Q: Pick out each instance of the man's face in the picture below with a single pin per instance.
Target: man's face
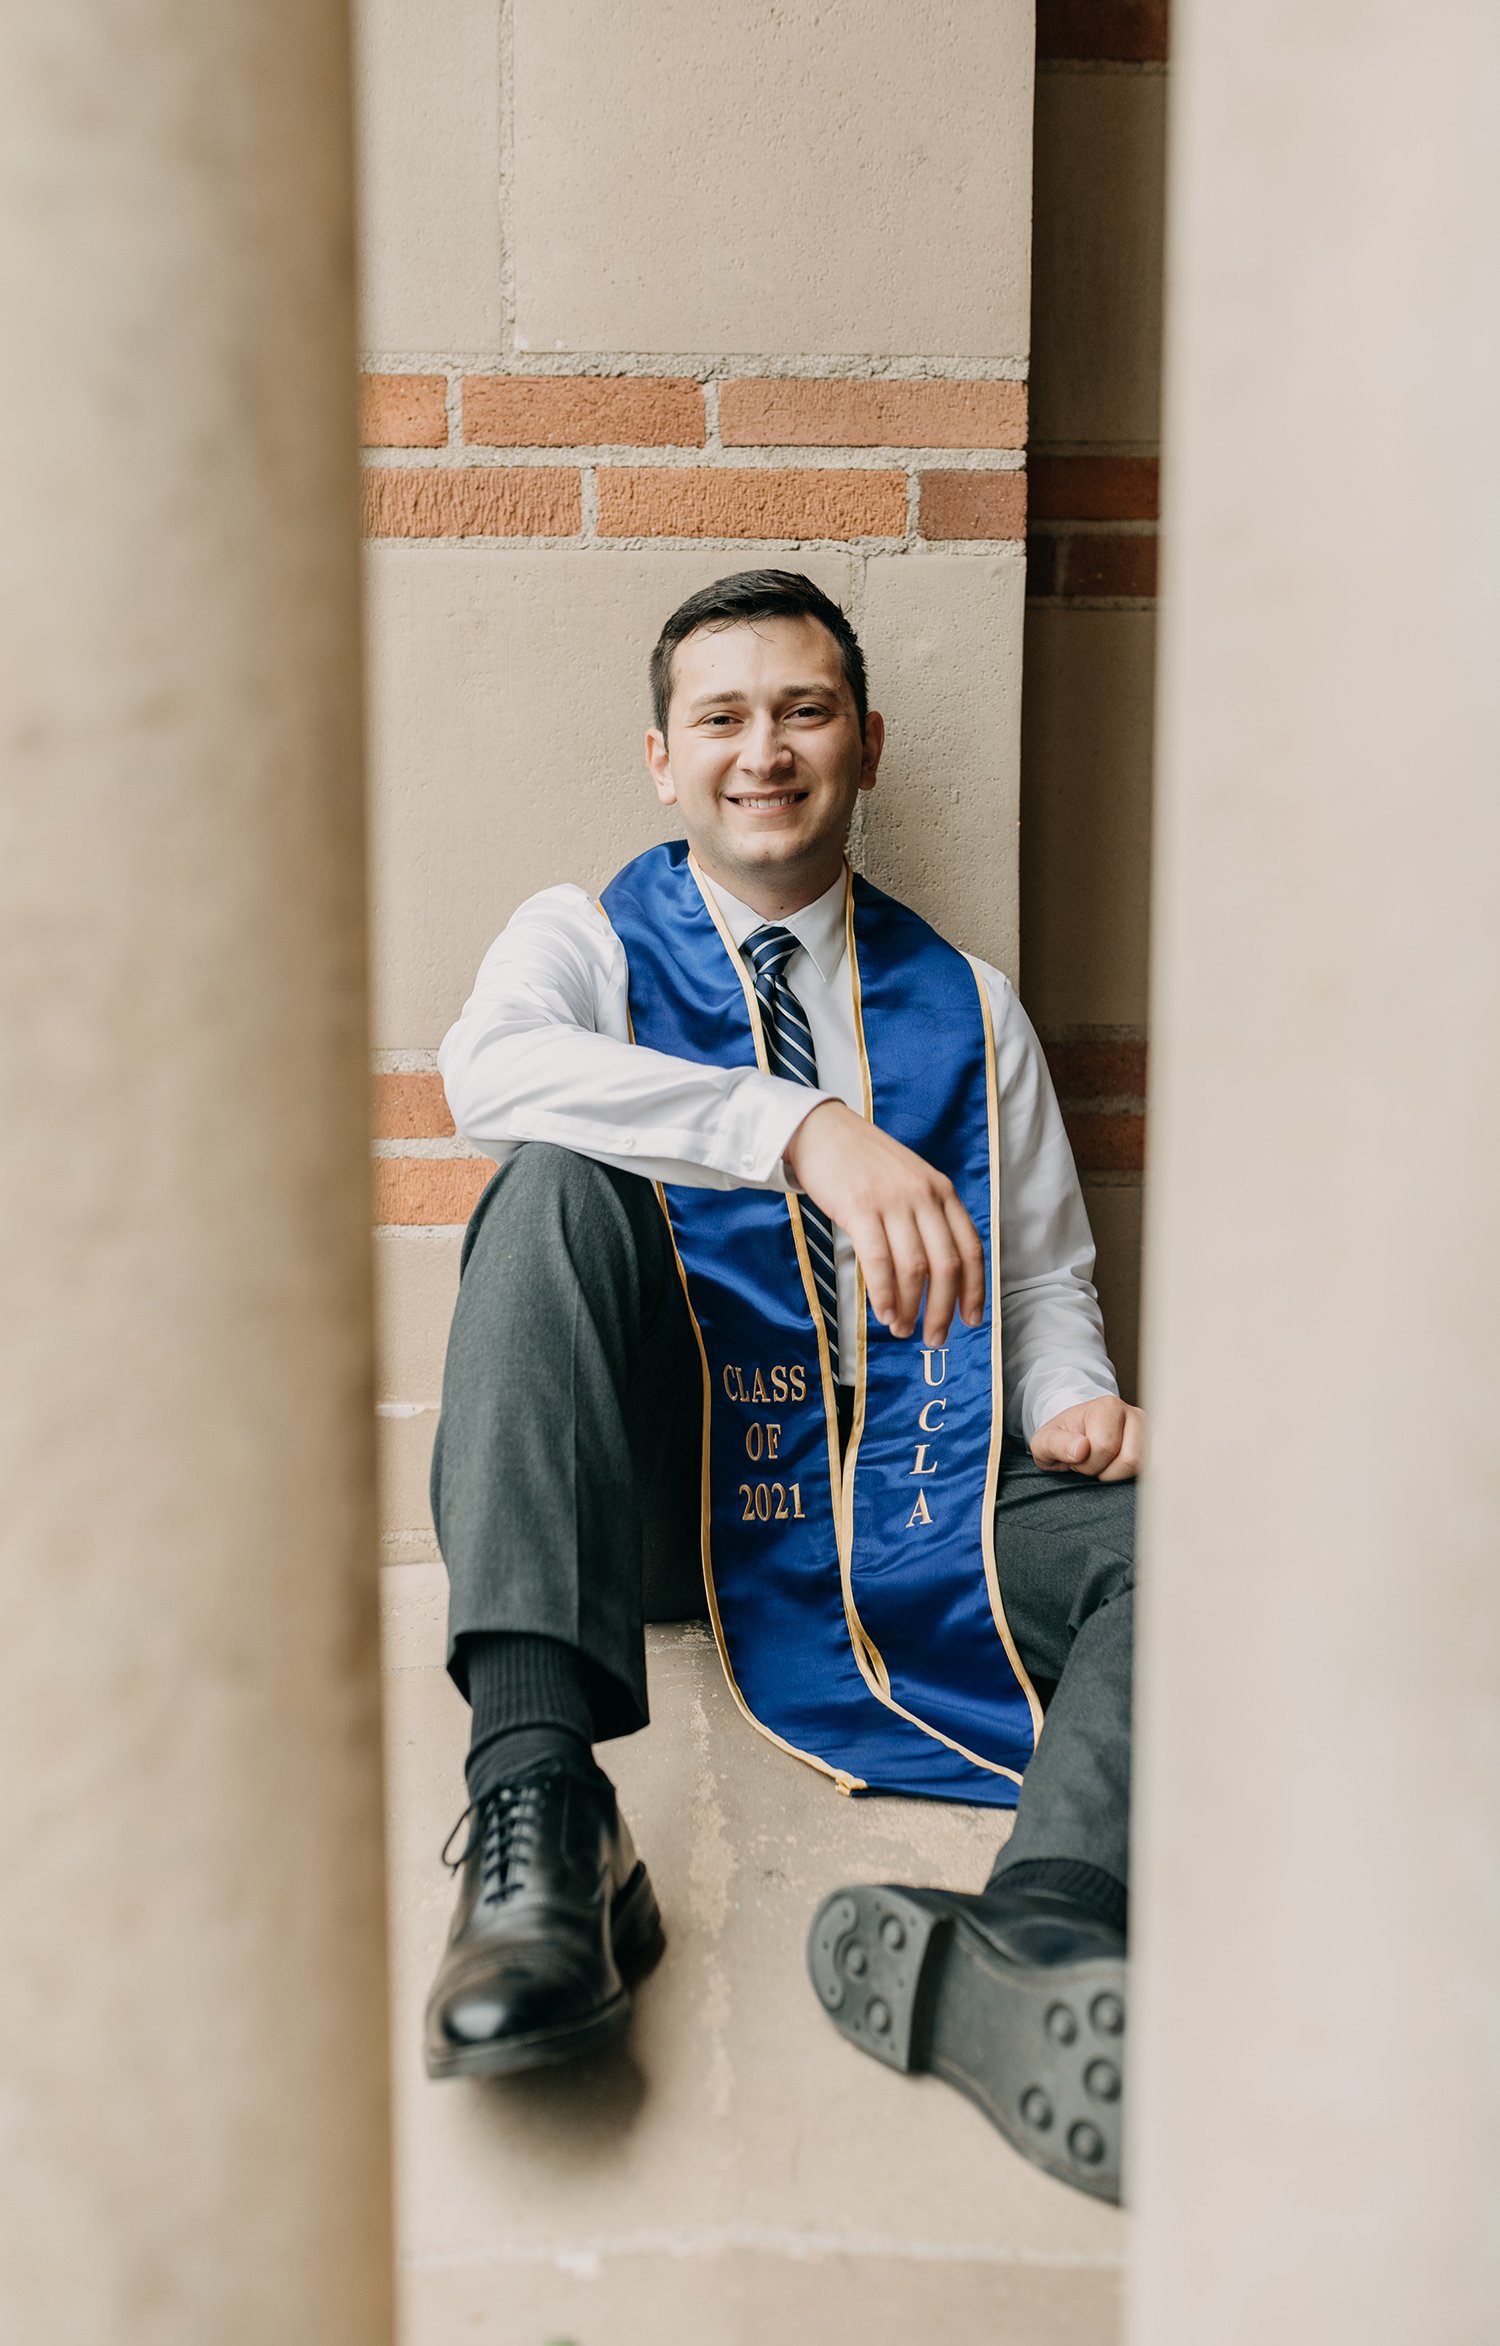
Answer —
(764, 755)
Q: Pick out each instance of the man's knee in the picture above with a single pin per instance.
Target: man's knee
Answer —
(536, 1185)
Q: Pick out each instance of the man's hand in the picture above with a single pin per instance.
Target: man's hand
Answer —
(1105, 1438)
(904, 1220)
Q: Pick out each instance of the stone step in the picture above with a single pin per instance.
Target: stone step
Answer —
(734, 2171)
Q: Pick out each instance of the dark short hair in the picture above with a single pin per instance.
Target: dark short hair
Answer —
(748, 595)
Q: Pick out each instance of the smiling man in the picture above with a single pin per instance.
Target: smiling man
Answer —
(780, 1304)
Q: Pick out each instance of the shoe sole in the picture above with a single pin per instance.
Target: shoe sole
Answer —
(638, 1939)
(1040, 2051)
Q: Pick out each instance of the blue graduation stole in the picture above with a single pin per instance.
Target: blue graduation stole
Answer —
(855, 1601)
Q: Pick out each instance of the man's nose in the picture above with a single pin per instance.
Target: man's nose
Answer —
(764, 748)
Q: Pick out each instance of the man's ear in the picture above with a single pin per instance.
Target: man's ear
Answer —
(874, 744)
(661, 766)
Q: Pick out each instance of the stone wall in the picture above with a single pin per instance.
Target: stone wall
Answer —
(653, 294)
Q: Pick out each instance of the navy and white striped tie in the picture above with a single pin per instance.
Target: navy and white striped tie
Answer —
(790, 1053)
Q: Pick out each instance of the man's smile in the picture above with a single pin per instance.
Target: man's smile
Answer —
(767, 802)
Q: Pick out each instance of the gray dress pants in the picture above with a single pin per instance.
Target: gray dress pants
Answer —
(565, 1489)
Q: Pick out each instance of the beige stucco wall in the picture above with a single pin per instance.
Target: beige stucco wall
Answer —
(668, 205)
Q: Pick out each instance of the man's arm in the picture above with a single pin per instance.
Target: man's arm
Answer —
(1056, 1360)
(912, 1235)
(542, 1051)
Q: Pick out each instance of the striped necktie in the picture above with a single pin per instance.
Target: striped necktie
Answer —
(790, 1054)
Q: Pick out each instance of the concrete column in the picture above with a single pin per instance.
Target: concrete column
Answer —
(192, 2054)
(1316, 2087)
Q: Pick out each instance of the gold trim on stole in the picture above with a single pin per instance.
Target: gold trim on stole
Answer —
(881, 1686)
(841, 1776)
(997, 1431)
(859, 1644)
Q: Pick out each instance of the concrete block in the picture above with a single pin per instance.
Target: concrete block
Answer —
(428, 127)
(702, 176)
(403, 1460)
(942, 633)
(734, 2171)
(1096, 312)
(508, 713)
(1086, 822)
(416, 1281)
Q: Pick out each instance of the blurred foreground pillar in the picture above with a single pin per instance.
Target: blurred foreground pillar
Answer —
(1316, 2088)
(192, 2053)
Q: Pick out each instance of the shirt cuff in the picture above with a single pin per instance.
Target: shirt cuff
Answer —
(763, 1113)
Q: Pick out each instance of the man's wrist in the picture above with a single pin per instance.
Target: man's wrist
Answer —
(794, 1137)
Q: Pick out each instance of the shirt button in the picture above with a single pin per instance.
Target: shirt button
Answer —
(747, 1164)
(627, 1144)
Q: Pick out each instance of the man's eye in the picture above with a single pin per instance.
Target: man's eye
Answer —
(810, 709)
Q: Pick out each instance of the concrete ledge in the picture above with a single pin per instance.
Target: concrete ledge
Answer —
(733, 2171)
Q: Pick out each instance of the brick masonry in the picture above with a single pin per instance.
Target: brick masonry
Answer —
(973, 505)
(479, 501)
(1101, 1088)
(403, 411)
(598, 423)
(409, 1105)
(780, 413)
(1123, 32)
(654, 502)
(582, 411)
(428, 1192)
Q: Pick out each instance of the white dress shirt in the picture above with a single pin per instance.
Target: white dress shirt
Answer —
(542, 1051)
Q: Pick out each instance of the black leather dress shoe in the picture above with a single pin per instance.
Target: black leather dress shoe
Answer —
(1016, 1997)
(555, 1916)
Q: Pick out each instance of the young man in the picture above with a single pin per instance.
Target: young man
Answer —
(778, 1166)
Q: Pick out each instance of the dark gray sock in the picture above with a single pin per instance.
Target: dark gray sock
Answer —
(530, 1706)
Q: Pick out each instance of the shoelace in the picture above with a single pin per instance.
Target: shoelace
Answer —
(503, 1827)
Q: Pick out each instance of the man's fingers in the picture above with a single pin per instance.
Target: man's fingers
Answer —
(1102, 1439)
(944, 1271)
(1130, 1456)
(971, 1262)
(1058, 1446)
(869, 1243)
(909, 1256)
